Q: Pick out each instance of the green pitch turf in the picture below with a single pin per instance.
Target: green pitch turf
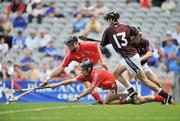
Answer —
(87, 112)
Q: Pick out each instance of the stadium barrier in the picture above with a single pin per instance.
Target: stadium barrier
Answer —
(59, 94)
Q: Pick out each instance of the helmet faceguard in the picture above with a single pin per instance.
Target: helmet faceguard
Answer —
(87, 66)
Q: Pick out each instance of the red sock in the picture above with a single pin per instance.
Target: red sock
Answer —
(97, 97)
(158, 98)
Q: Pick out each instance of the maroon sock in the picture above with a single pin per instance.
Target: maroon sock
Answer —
(163, 94)
(130, 90)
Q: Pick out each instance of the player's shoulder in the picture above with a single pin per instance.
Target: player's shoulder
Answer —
(109, 28)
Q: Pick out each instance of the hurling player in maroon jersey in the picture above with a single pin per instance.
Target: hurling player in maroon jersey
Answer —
(121, 37)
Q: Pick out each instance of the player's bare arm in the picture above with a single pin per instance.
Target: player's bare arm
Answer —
(66, 82)
(83, 94)
(55, 72)
(88, 84)
(101, 58)
(146, 56)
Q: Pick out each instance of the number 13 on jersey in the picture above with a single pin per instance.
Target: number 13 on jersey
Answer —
(123, 41)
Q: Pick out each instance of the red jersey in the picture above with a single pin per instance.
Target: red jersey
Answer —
(99, 78)
(87, 50)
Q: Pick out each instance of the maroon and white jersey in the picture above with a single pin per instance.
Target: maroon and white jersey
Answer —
(120, 36)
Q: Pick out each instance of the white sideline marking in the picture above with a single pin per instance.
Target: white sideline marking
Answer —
(40, 109)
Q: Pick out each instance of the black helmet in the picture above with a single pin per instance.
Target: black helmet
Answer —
(87, 65)
(112, 15)
(71, 39)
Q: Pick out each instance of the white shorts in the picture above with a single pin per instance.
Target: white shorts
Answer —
(134, 65)
(120, 88)
(145, 68)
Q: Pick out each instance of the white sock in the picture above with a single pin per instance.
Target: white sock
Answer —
(159, 90)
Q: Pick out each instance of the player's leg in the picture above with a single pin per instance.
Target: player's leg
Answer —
(134, 66)
(116, 99)
(110, 97)
(167, 98)
(149, 74)
(152, 77)
(141, 76)
(114, 93)
(117, 95)
(117, 71)
(119, 99)
(147, 99)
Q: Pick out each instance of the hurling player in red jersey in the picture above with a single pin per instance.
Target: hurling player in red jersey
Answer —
(101, 78)
(121, 37)
(79, 51)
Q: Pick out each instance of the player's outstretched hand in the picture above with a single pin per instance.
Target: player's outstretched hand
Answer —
(73, 99)
(44, 83)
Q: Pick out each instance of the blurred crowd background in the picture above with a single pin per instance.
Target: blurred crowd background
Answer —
(32, 34)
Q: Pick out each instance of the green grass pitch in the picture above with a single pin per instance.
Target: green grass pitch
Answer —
(87, 112)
